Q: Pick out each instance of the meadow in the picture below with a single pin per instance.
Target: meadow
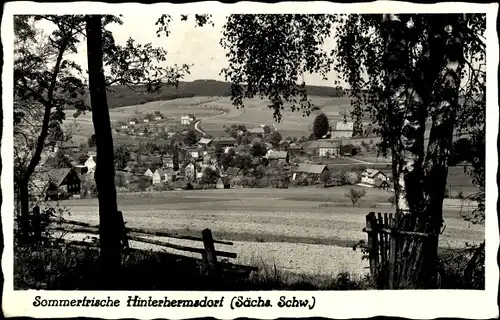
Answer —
(307, 230)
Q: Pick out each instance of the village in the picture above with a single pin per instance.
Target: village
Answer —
(190, 159)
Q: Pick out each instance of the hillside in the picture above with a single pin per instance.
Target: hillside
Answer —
(120, 96)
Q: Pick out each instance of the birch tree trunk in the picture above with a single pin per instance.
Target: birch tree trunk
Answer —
(420, 177)
(109, 223)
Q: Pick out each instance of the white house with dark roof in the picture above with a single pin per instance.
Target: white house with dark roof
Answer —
(373, 177)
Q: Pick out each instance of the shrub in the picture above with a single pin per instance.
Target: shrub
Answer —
(351, 178)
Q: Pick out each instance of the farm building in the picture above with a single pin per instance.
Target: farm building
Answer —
(204, 142)
(294, 150)
(325, 148)
(369, 176)
(382, 184)
(168, 162)
(277, 156)
(223, 183)
(306, 169)
(57, 182)
(193, 152)
(133, 121)
(340, 129)
(66, 146)
(224, 141)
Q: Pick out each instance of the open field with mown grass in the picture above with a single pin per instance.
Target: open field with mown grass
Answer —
(305, 229)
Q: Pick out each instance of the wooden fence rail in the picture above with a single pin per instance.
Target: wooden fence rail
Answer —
(387, 234)
(208, 253)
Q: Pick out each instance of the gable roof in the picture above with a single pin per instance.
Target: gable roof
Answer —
(205, 141)
(324, 143)
(232, 171)
(55, 176)
(379, 182)
(311, 168)
(274, 155)
(371, 173)
(224, 140)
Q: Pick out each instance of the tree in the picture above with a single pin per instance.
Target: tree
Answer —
(416, 66)
(392, 200)
(109, 230)
(267, 129)
(321, 126)
(91, 142)
(209, 177)
(44, 83)
(355, 195)
(61, 160)
(325, 176)
(258, 150)
(275, 138)
(190, 138)
(351, 178)
(122, 157)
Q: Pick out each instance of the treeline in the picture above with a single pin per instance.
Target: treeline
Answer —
(120, 96)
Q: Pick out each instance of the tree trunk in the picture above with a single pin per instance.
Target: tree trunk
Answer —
(421, 185)
(109, 223)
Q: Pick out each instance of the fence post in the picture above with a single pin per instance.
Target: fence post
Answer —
(371, 224)
(392, 252)
(209, 257)
(125, 244)
(36, 225)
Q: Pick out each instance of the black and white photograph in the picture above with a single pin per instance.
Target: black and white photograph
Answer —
(250, 161)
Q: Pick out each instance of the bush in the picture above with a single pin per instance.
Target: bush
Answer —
(351, 178)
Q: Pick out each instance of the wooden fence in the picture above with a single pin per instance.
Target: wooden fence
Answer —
(209, 254)
(387, 234)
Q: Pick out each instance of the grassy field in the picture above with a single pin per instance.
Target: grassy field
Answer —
(300, 229)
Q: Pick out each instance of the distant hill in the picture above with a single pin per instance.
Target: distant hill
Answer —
(124, 96)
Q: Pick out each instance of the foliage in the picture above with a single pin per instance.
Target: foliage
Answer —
(351, 178)
(275, 138)
(321, 126)
(258, 150)
(122, 157)
(209, 177)
(91, 142)
(190, 138)
(355, 195)
(268, 53)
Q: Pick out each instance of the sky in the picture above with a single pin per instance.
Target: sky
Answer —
(187, 43)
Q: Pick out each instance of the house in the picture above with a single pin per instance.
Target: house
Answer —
(158, 115)
(148, 173)
(158, 176)
(190, 171)
(294, 150)
(369, 176)
(123, 126)
(168, 162)
(187, 120)
(133, 121)
(91, 163)
(57, 182)
(339, 129)
(306, 169)
(169, 174)
(223, 183)
(193, 152)
(259, 131)
(382, 184)
(224, 141)
(204, 142)
(66, 146)
(277, 156)
(325, 148)
(232, 171)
